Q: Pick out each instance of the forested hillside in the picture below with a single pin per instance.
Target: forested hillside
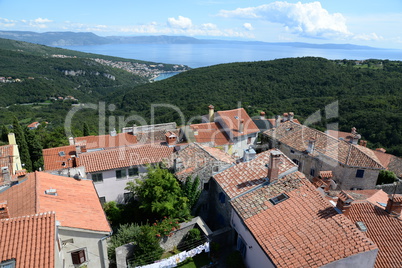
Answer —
(35, 73)
(369, 93)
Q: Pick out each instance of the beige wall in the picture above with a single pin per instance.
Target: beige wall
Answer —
(92, 242)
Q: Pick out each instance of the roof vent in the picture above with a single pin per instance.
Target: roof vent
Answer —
(362, 227)
(51, 192)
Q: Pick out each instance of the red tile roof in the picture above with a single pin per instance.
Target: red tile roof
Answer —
(301, 231)
(124, 157)
(30, 240)
(297, 136)
(106, 141)
(247, 175)
(384, 230)
(326, 174)
(232, 118)
(76, 204)
(33, 125)
(54, 158)
(210, 133)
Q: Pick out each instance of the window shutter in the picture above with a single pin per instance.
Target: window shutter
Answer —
(78, 257)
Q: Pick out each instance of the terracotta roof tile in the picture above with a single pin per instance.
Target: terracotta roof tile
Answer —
(247, 175)
(106, 141)
(210, 133)
(297, 136)
(384, 230)
(30, 240)
(196, 157)
(301, 231)
(232, 118)
(124, 157)
(76, 204)
(54, 158)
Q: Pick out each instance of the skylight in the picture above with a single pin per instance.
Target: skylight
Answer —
(362, 227)
(62, 153)
(279, 198)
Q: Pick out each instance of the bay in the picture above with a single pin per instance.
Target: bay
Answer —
(202, 55)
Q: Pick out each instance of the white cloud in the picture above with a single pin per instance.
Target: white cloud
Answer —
(180, 23)
(310, 19)
(368, 37)
(40, 20)
(248, 26)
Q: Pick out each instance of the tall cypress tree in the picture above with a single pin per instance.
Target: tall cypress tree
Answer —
(35, 149)
(22, 145)
(85, 129)
(4, 134)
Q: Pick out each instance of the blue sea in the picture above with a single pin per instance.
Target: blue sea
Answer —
(201, 55)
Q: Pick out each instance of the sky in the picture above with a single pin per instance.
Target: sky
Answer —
(361, 22)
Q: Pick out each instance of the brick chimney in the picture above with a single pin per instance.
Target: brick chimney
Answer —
(311, 145)
(171, 138)
(262, 115)
(4, 214)
(71, 141)
(274, 162)
(285, 117)
(344, 202)
(211, 114)
(394, 205)
(291, 116)
(241, 126)
(363, 143)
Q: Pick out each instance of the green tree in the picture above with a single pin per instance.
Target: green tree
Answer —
(126, 233)
(4, 134)
(191, 191)
(385, 177)
(160, 194)
(35, 149)
(147, 246)
(22, 145)
(85, 129)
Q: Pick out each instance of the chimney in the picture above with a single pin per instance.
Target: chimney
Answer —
(241, 126)
(291, 116)
(273, 169)
(171, 138)
(211, 113)
(113, 133)
(394, 205)
(262, 115)
(285, 117)
(71, 141)
(11, 139)
(195, 131)
(311, 144)
(277, 120)
(353, 131)
(356, 138)
(4, 214)
(344, 202)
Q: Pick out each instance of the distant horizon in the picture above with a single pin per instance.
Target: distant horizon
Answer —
(193, 38)
(358, 22)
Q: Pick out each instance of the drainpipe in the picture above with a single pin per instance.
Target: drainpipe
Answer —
(102, 253)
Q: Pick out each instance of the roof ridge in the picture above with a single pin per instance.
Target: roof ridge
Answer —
(36, 181)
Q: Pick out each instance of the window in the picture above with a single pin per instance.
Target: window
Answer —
(8, 264)
(132, 172)
(128, 197)
(97, 177)
(102, 200)
(206, 186)
(295, 161)
(292, 151)
(78, 256)
(215, 169)
(360, 173)
(241, 246)
(222, 197)
(312, 172)
(279, 198)
(121, 174)
(249, 140)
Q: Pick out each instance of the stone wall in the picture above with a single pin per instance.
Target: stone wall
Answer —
(390, 188)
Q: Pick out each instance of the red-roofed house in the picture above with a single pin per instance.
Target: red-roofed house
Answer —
(33, 125)
(29, 241)
(353, 166)
(111, 169)
(81, 225)
(233, 131)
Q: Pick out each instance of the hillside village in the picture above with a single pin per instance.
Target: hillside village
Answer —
(272, 192)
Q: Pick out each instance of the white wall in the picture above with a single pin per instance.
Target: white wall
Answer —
(255, 256)
(111, 187)
(95, 247)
